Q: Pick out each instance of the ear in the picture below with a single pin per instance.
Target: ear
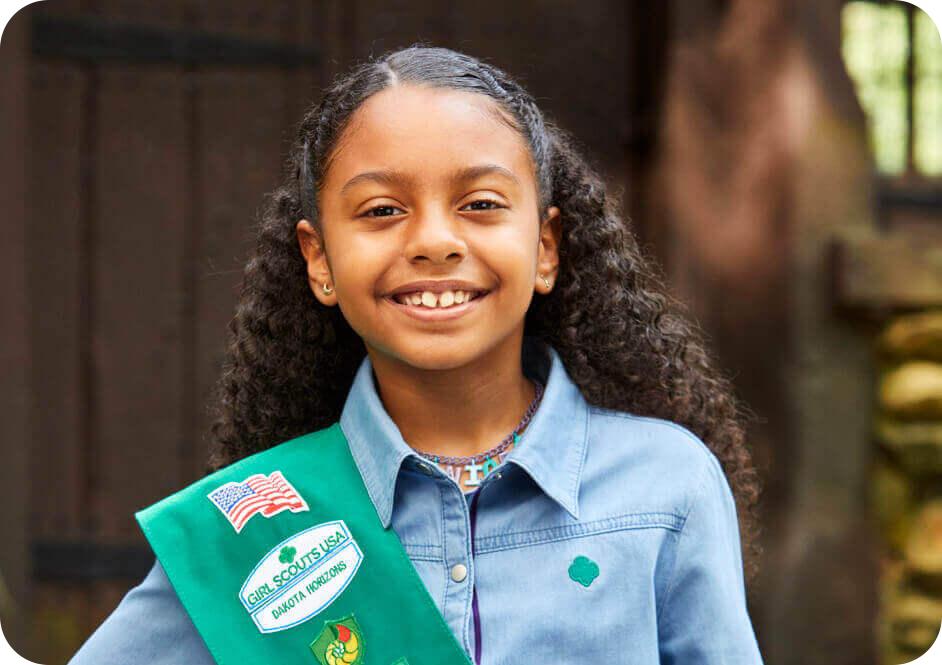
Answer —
(318, 269)
(547, 263)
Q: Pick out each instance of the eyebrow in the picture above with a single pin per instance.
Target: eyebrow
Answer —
(394, 177)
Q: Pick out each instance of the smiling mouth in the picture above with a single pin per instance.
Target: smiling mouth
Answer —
(438, 312)
(431, 300)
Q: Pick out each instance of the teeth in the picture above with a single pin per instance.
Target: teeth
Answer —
(435, 300)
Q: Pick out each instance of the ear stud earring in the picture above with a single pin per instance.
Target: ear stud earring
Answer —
(326, 289)
(545, 281)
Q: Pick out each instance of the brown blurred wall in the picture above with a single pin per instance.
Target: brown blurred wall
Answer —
(763, 161)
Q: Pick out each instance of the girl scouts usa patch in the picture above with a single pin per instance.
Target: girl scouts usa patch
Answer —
(301, 576)
(258, 494)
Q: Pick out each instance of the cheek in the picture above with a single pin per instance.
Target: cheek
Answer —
(357, 259)
(511, 252)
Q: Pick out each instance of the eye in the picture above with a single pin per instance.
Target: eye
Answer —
(367, 213)
(495, 204)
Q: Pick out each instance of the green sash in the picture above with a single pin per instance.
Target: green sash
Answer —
(281, 558)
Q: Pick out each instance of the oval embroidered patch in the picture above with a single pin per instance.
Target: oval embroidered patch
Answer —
(301, 576)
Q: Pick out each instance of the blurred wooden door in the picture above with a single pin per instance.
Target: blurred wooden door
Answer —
(154, 130)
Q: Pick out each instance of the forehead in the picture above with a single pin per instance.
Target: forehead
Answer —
(428, 132)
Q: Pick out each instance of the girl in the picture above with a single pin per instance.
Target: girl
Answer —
(446, 282)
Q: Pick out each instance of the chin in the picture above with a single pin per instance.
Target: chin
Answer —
(441, 355)
(446, 359)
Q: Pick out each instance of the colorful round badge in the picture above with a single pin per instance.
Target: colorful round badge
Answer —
(339, 643)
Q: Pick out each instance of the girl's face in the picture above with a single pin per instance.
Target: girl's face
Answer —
(426, 188)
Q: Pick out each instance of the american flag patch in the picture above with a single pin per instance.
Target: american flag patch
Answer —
(268, 495)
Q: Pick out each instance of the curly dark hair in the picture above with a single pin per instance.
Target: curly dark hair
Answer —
(623, 339)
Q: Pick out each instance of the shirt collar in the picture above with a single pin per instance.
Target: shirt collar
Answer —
(551, 449)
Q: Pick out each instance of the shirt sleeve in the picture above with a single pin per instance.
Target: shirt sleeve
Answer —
(704, 618)
(149, 627)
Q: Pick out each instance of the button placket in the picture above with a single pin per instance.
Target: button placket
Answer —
(456, 526)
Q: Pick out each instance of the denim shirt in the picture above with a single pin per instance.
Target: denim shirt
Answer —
(602, 537)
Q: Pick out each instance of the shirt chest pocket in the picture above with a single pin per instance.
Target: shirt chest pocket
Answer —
(585, 594)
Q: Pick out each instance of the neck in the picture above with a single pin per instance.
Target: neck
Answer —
(460, 411)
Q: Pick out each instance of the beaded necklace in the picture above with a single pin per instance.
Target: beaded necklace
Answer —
(479, 466)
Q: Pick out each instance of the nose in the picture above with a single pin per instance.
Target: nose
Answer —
(435, 237)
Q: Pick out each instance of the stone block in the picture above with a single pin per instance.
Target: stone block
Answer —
(912, 390)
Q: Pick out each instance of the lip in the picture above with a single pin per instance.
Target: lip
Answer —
(437, 314)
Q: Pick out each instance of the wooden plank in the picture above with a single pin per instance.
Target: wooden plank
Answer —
(61, 96)
(14, 336)
(60, 378)
(141, 211)
(137, 321)
(58, 270)
(230, 177)
(140, 217)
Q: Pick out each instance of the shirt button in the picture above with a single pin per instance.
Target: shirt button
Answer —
(458, 572)
(425, 468)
